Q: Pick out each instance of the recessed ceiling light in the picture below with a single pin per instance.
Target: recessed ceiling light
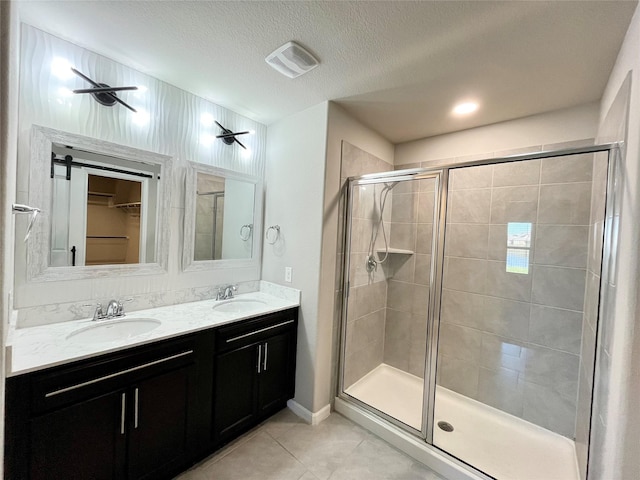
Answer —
(465, 108)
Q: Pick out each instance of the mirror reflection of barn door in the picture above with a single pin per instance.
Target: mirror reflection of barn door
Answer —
(72, 200)
(68, 219)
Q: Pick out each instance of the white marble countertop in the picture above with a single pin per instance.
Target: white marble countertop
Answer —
(35, 348)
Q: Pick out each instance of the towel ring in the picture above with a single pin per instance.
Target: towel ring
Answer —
(273, 238)
(245, 231)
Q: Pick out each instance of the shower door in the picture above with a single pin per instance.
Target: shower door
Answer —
(387, 293)
(518, 315)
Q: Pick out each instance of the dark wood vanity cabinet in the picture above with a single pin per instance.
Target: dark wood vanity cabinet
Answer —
(149, 412)
(138, 415)
(254, 372)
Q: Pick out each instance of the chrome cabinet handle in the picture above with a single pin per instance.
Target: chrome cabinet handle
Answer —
(266, 349)
(255, 332)
(117, 374)
(123, 407)
(259, 356)
(135, 411)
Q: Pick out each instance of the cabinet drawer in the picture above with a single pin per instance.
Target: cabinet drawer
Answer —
(61, 386)
(254, 330)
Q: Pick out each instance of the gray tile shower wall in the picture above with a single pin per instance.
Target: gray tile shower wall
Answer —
(366, 309)
(590, 314)
(510, 336)
(408, 275)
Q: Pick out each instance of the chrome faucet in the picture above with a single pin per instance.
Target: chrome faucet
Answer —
(115, 309)
(225, 292)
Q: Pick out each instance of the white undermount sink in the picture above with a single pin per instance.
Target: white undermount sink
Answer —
(112, 330)
(239, 305)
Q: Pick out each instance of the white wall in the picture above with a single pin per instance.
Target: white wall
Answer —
(560, 126)
(43, 102)
(617, 457)
(9, 61)
(295, 169)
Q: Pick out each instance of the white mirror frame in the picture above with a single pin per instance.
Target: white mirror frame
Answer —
(40, 195)
(191, 187)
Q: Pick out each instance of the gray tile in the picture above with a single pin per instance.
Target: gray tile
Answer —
(365, 331)
(465, 274)
(259, 458)
(325, 447)
(420, 300)
(373, 459)
(558, 287)
(571, 168)
(424, 237)
(402, 267)
(403, 235)
(462, 308)
(554, 369)
(556, 328)
(526, 172)
(360, 363)
(404, 207)
(500, 283)
(546, 408)
(458, 375)
(418, 345)
(588, 351)
(561, 245)
(423, 269)
(514, 204)
(565, 204)
(467, 240)
(397, 339)
(469, 206)
(471, 177)
(507, 318)
(503, 353)
(501, 389)
(370, 298)
(281, 422)
(426, 184)
(426, 206)
(458, 342)
(594, 259)
(400, 296)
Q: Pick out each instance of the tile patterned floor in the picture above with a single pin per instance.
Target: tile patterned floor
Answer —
(286, 448)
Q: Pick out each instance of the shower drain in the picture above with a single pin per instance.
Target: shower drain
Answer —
(446, 426)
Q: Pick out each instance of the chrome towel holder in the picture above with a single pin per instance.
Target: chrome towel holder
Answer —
(272, 238)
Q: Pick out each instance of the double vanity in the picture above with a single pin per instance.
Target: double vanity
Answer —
(148, 394)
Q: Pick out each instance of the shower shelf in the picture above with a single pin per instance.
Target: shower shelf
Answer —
(396, 250)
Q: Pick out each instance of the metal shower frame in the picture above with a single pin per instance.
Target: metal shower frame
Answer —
(440, 172)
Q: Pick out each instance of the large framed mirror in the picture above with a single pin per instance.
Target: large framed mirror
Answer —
(223, 218)
(105, 208)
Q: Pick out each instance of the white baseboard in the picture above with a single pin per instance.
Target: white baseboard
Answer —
(312, 418)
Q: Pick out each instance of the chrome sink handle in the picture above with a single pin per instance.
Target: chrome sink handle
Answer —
(98, 314)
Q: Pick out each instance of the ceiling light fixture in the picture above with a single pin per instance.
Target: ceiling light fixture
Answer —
(465, 108)
(291, 60)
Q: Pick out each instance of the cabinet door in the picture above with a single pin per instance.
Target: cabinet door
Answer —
(85, 440)
(235, 390)
(158, 423)
(276, 376)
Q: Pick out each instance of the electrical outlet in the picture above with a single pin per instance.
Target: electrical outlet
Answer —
(287, 274)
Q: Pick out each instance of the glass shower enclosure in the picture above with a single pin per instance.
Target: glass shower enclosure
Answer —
(471, 298)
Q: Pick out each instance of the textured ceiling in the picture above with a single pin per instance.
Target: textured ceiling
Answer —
(396, 66)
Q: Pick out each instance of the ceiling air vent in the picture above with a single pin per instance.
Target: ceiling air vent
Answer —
(291, 60)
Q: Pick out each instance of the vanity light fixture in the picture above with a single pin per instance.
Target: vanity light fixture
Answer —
(103, 93)
(229, 137)
(465, 108)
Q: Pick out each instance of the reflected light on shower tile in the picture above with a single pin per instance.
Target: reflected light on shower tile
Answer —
(206, 119)
(141, 117)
